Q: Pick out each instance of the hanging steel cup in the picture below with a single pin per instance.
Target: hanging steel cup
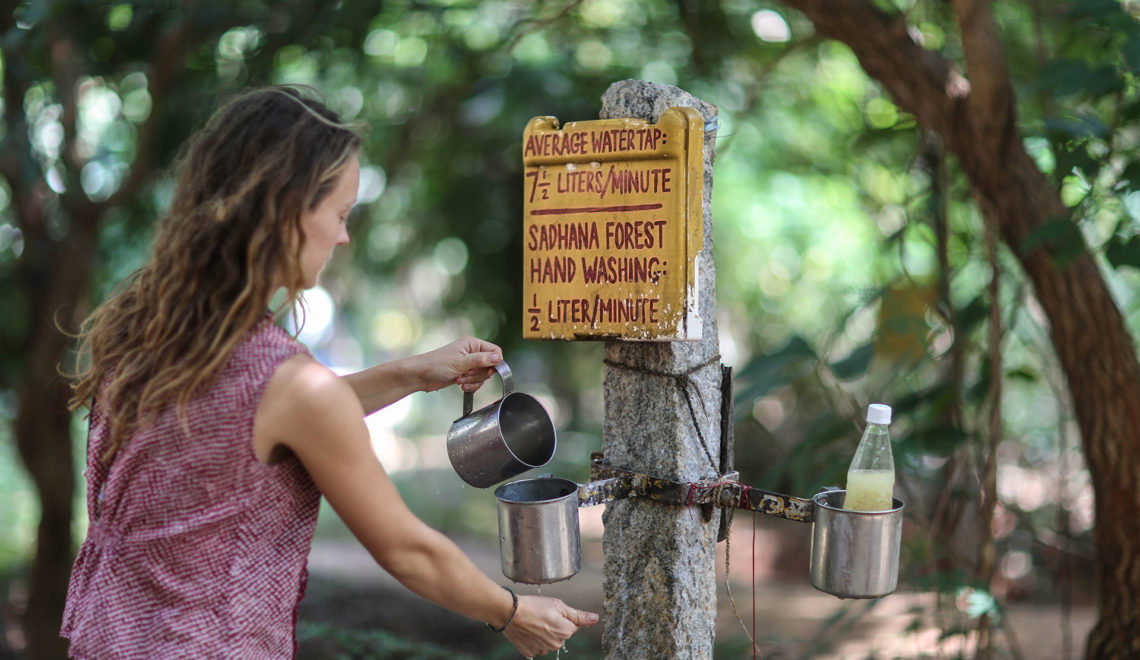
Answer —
(539, 541)
(854, 554)
(501, 440)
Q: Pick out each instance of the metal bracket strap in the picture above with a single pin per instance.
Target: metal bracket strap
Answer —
(610, 483)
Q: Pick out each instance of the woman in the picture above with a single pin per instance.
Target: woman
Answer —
(213, 433)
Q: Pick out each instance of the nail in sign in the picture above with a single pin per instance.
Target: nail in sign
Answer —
(612, 222)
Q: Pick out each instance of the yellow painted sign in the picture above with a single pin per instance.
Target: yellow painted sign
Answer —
(612, 221)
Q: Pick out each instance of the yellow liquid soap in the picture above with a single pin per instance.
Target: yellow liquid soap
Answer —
(870, 490)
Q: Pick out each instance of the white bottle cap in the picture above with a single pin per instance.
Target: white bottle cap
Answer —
(878, 413)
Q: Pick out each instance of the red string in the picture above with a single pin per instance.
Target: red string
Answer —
(694, 488)
(690, 498)
(753, 585)
(748, 505)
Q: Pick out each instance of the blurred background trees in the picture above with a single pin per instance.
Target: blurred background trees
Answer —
(931, 205)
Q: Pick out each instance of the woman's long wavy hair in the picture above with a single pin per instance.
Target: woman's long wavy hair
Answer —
(231, 238)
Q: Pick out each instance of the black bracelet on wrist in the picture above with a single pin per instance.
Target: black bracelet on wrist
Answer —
(514, 609)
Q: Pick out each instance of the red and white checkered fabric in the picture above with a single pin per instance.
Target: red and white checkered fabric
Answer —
(195, 548)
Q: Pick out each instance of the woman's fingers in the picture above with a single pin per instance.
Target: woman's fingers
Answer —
(544, 624)
(475, 363)
(580, 618)
(467, 362)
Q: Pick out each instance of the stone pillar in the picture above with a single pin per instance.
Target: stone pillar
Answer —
(660, 560)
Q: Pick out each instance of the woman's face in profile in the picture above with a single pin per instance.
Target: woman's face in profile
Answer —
(324, 226)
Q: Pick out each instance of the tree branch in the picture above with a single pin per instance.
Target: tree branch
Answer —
(162, 70)
(65, 68)
(16, 162)
(920, 81)
(517, 33)
(991, 100)
(990, 92)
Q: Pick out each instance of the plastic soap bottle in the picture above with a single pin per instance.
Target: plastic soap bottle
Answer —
(871, 477)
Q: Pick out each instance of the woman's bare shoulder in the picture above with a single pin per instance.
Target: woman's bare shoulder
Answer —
(303, 400)
(302, 377)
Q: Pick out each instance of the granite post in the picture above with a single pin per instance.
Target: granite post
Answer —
(662, 417)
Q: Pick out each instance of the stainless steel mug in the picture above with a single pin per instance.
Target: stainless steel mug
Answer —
(854, 554)
(501, 440)
(539, 540)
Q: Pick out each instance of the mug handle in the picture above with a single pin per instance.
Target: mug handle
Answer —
(508, 387)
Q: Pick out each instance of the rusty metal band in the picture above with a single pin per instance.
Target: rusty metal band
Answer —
(609, 483)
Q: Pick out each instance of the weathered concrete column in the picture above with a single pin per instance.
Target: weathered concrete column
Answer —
(660, 560)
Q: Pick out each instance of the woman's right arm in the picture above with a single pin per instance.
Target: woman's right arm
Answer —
(466, 362)
(317, 416)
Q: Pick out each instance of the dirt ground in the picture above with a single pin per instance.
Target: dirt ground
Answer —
(792, 619)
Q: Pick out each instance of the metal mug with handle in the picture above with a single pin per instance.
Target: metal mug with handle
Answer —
(539, 541)
(500, 440)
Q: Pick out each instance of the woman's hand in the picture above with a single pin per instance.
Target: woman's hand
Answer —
(465, 362)
(543, 624)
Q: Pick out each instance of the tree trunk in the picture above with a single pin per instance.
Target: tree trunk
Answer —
(1096, 352)
(54, 289)
(45, 447)
(976, 120)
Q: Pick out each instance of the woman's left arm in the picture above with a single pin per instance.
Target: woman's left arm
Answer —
(465, 362)
(310, 411)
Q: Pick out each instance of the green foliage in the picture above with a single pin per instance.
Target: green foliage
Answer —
(1060, 236)
(1123, 252)
(766, 371)
(855, 364)
(17, 516)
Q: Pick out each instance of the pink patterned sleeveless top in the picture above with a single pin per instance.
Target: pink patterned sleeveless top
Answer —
(195, 548)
